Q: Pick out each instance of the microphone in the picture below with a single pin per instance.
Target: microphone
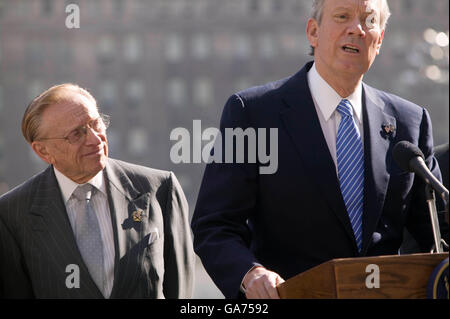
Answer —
(411, 159)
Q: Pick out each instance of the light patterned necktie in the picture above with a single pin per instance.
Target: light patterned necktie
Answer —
(88, 236)
(350, 163)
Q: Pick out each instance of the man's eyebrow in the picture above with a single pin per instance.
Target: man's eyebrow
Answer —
(75, 127)
(342, 9)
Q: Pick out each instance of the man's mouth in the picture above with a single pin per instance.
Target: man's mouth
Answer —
(97, 152)
(350, 48)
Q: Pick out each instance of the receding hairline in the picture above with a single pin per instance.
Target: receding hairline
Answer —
(58, 94)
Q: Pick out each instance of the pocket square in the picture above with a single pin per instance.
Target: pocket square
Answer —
(153, 235)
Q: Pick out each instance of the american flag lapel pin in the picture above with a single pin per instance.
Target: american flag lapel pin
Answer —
(388, 130)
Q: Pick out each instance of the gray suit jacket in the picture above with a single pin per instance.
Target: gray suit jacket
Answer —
(154, 256)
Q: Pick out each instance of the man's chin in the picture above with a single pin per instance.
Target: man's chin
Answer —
(96, 163)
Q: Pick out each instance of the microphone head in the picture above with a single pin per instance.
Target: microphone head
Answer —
(404, 152)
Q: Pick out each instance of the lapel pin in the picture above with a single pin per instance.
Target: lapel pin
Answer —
(137, 215)
(388, 130)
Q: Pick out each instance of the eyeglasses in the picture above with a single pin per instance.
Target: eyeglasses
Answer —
(99, 125)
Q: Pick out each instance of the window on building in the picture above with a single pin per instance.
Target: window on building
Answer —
(174, 48)
(47, 8)
(242, 48)
(107, 95)
(35, 88)
(91, 8)
(201, 46)
(118, 8)
(254, 5)
(177, 7)
(132, 48)
(266, 7)
(267, 48)
(137, 141)
(176, 92)
(106, 48)
(203, 92)
(21, 7)
(135, 92)
(199, 8)
(222, 45)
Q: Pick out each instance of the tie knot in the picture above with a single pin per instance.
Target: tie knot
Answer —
(84, 192)
(345, 108)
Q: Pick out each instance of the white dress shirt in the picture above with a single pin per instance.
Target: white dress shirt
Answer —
(326, 100)
(101, 207)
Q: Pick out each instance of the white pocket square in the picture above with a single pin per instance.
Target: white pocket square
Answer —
(153, 235)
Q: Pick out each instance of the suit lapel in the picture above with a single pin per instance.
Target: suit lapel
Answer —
(125, 201)
(376, 156)
(51, 226)
(303, 126)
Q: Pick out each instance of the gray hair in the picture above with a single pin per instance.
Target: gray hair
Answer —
(317, 12)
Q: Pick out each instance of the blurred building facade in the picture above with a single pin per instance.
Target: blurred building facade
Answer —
(155, 65)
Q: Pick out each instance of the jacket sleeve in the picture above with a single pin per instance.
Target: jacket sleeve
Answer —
(226, 201)
(418, 222)
(178, 252)
(14, 281)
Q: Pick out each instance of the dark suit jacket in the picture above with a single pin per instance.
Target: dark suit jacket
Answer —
(296, 218)
(441, 154)
(37, 242)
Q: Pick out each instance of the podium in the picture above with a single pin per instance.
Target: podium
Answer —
(400, 277)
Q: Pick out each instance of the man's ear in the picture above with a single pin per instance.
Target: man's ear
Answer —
(380, 41)
(312, 32)
(42, 151)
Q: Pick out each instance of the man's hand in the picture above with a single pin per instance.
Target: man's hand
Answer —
(261, 283)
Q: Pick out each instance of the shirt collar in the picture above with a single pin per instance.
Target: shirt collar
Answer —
(327, 99)
(67, 185)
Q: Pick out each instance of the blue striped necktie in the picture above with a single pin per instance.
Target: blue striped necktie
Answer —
(350, 164)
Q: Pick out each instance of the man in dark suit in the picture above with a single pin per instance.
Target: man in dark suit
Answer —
(337, 192)
(89, 226)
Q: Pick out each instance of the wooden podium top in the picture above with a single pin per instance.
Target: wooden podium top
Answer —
(404, 276)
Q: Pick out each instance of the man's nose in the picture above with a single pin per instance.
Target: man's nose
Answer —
(92, 137)
(356, 28)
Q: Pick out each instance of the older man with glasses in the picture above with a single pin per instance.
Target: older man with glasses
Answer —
(89, 226)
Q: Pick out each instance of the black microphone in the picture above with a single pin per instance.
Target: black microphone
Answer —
(411, 159)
